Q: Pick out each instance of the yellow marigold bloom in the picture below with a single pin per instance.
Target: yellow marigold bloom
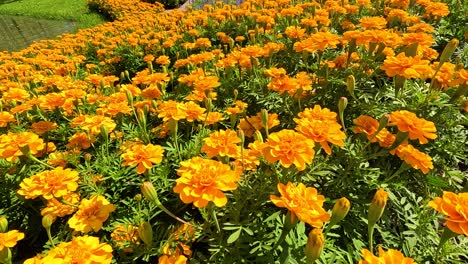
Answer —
(9, 239)
(391, 256)
(202, 181)
(304, 202)
(221, 143)
(418, 128)
(408, 67)
(125, 236)
(50, 184)
(289, 147)
(143, 156)
(5, 118)
(81, 250)
(455, 208)
(42, 127)
(91, 214)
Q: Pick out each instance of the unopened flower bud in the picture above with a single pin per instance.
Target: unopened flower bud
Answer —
(48, 220)
(258, 136)
(351, 85)
(3, 224)
(145, 232)
(340, 210)
(377, 206)
(138, 197)
(448, 51)
(314, 246)
(241, 135)
(148, 190)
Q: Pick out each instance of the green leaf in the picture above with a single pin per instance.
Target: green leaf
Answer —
(234, 236)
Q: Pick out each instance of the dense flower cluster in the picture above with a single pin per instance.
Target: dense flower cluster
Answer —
(227, 97)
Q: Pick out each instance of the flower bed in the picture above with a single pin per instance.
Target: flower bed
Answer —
(269, 132)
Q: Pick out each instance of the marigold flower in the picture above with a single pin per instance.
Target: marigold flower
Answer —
(5, 118)
(12, 143)
(418, 128)
(221, 143)
(10, 238)
(289, 147)
(408, 67)
(455, 208)
(412, 156)
(91, 214)
(143, 156)
(202, 181)
(391, 256)
(168, 110)
(49, 184)
(81, 250)
(321, 126)
(93, 123)
(125, 236)
(304, 202)
(42, 127)
(56, 208)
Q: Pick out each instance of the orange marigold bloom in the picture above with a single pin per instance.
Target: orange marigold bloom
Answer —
(368, 125)
(42, 127)
(321, 126)
(455, 208)
(171, 110)
(252, 123)
(5, 118)
(408, 67)
(57, 209)
(144, 156)
(125, 236)
(49, 184)
(289, 147)
(304, 202)
(11, 144)
(317, 41)
(81, 250)
(418, 128)
(373, 22)
(163, 60)
(9, 239)
(391, 256)
(414, 157)
(91, 214)
(221, 143)
(202, 181)
(93, 123)
(80, 140)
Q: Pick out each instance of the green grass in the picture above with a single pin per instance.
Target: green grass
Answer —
(75, 10)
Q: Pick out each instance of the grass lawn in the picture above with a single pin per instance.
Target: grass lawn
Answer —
(75, 10)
